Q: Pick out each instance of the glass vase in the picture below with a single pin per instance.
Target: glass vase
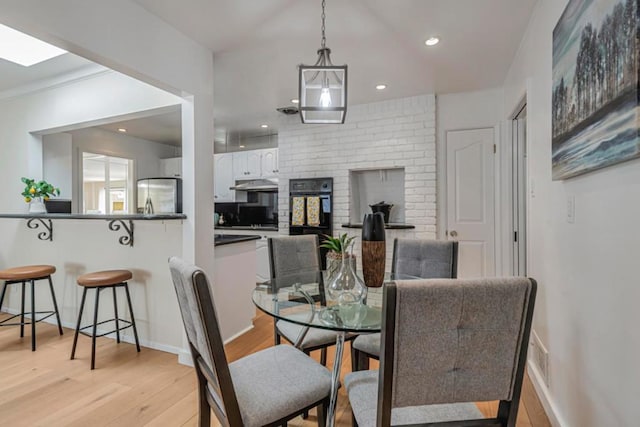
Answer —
(346, 287)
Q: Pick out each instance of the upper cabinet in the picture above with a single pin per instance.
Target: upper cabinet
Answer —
(269, 163)
(224, 177)
(171, 167)
(246, 165)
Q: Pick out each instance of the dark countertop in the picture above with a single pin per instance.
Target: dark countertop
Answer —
(154, 217)
(390, 226)
(227, 239)
(246, 227)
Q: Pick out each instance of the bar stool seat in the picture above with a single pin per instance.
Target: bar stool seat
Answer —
(22, 275)
(27, 272)
(99, 281)
(104, 278)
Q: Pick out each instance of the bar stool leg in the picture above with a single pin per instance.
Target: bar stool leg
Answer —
(95, 327)
(22, 313)
(115, 310)
(133, 320)
(75, 337)
(33, 315)
(55, 304)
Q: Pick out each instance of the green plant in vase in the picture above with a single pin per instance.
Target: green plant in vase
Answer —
(337, 246)
(36, 192)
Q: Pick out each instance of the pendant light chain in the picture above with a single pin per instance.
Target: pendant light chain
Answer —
(324, 38)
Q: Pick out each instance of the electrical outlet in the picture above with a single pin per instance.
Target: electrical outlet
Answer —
(540, 357)
(571, 209)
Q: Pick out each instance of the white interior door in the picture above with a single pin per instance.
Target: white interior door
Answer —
(470, 200)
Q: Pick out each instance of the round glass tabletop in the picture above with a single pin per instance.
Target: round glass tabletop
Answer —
(301, 298)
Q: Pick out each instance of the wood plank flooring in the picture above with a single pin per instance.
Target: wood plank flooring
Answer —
(45, 388)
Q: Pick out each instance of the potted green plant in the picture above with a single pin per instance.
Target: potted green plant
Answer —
(36, 193)
(337, 246)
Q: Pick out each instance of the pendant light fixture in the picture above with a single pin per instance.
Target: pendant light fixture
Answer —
(322, 87)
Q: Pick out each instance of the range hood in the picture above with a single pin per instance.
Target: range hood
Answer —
(256, 185)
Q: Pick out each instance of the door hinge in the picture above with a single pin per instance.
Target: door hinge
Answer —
(515, 236)
(494, 148)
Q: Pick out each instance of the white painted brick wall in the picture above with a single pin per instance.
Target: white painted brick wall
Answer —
(394, 133)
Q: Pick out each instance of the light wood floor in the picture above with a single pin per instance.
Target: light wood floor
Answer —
(45, 388)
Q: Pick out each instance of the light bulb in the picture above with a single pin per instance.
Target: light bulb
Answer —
(325, 98)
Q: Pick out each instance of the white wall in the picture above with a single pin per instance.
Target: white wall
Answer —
(586, 311)
(57, 162)
(388, 134)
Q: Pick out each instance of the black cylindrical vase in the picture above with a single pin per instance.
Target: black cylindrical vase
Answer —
(373, 249)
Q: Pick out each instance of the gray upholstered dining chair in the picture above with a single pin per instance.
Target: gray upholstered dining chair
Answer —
(289, 256)
(426, 259)
(446, 344)
(266, 388)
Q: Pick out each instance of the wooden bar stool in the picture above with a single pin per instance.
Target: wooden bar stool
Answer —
(29, 273)
(99, 281)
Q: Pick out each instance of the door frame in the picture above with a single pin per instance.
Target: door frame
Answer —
(507, 188)
(442, 222)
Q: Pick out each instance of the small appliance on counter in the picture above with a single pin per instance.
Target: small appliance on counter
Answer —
(159, 195)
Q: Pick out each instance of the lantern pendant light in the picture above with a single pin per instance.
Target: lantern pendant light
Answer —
(322, 87)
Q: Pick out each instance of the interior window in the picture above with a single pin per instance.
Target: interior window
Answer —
(107, 184)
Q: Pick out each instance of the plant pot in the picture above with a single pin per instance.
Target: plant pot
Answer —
(37, 206)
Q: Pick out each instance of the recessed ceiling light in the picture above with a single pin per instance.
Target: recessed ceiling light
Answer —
(23, 49)
(123, 130)
(241, 146)
(295, 101)
(381, 87)
(432, 41)
(264, 126)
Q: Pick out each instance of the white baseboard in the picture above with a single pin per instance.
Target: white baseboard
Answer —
(545, 398)
(242, 332)
(124, 338)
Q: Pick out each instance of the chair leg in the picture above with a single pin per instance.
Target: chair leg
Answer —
(55, 304)
(322, 413)
(133, 319)
(95, 327)
(276, 335)
(22, 312)
(4, 289)
(323, 356)
(33, 315)
(115, 310)
(75, 336)
(354, 358)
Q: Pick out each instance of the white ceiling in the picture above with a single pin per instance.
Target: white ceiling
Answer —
(257, 46)
(163, 128)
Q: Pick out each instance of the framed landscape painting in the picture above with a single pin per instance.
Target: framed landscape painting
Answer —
(595, 86)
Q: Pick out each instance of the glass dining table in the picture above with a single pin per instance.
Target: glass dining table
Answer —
(301, 298)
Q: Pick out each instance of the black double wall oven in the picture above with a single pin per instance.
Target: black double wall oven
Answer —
(311, 208)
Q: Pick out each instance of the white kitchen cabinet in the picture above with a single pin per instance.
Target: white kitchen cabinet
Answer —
(171, 167)
(269, 162)
(223, 177)
(247, 164)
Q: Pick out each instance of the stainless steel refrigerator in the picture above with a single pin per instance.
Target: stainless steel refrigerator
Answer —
(159, 195)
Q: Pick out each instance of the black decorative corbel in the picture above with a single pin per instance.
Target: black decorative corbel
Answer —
(43, 235)
(116, 224)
